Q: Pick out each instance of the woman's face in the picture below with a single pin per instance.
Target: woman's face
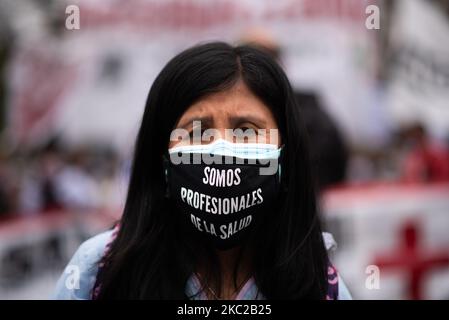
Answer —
(217, 115)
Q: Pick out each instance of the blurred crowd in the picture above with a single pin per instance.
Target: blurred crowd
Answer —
(80, 178)
(74, 176)
(54, 176)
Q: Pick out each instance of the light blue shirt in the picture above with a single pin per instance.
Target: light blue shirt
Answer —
(78, 278)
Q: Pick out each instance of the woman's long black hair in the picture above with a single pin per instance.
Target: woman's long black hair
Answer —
(151, 258)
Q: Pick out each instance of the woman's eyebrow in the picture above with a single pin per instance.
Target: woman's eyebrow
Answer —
(189, 121)
(248, 118)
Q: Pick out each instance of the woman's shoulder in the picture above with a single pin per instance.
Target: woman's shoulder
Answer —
(338, 289)
(329, 241)
(93, 248)
(78, 277)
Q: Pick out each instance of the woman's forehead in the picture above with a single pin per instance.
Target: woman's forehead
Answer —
(236, 102)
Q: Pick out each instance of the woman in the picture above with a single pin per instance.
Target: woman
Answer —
(221, 203)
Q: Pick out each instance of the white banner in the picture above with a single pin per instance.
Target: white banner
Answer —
(119, 49)
(419, 87)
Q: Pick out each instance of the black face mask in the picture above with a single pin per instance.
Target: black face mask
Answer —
(223, 202)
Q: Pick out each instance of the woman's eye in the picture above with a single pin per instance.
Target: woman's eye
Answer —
(248, 129)
(194, 132)
(201, 136)
(245, 133)
(208, 136)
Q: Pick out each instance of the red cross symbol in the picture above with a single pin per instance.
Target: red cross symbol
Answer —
(415, 260)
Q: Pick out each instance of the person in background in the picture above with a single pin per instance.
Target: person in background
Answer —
(328, 152)
(426, 161)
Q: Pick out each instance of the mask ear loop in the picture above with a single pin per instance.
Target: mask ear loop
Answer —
(281, 160)
(279, 173)
(166, 168)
